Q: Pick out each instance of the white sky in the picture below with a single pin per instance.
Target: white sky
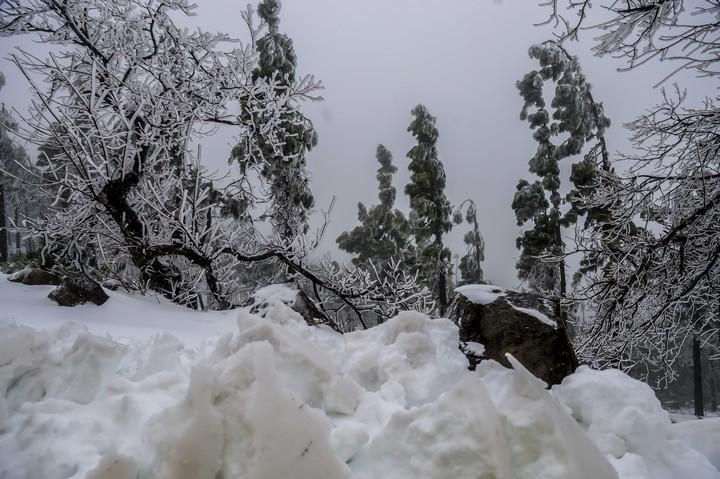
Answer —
(461, 58)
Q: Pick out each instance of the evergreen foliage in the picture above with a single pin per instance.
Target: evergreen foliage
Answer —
(575, 120)
(384, 231)
(470, 264)
(430, 209)
(282, 159)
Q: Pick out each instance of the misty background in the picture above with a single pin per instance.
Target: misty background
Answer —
(377, 59)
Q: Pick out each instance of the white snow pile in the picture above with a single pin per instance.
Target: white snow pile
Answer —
(276, 398)
(263, 298)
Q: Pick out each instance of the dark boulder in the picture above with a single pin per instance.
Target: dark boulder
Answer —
(75, 291)
(34, 277)
(521, 324)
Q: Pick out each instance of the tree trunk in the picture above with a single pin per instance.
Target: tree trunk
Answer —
(3, 227)
(697, 378)
(561, 313)
(442, 275)
(18, 236)
(476, 229)
(442, 294)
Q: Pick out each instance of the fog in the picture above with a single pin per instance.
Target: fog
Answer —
(377, 59)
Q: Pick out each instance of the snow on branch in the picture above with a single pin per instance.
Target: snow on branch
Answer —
(116, 106)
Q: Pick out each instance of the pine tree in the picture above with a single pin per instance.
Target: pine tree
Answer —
(281, 162)
(575, 120)
(383, 234)
(470, 268)
(431, 213)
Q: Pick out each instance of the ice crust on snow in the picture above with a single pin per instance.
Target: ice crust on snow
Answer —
(273, 397)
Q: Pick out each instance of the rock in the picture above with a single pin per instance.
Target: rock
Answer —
(75, 291)
(307, 309)
(10, 268)
(517, 323)
(263, 298)
(111, 284)
(34, 277)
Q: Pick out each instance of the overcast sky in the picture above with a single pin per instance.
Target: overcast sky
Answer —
(460, 58)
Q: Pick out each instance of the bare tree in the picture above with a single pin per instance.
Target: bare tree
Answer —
(120, 99)
(659, 250)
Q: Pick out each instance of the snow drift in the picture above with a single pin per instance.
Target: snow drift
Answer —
(275, 398)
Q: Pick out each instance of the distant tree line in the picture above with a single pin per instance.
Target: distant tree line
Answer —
(386, 237)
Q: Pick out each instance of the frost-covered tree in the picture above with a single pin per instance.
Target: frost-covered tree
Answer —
(562, 127)
(127, 91)
(281, 163)
(18, 197)
(470, 264)
(6, 153)
(384, 232)
(430, 209)
(659, 289)
(115, 110)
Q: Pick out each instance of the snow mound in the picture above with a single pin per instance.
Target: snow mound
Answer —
(703, 436)
(262, 299)
(630, 426)
(274, 398)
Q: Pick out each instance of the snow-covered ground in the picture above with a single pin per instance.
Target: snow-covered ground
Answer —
(138, 388)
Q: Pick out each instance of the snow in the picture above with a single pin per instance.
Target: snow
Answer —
(481, 293)
(140, 388)
(702, 435)
(629, 425)
(535, 314)
(125, 316)
(473, 348)
(273, 294)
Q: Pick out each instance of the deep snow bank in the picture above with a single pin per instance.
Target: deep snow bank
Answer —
(275, 398)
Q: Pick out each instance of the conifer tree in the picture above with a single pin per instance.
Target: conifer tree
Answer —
(283, 168)
(470, 268)
(431, 213)
(575, 120)
(383, 234)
